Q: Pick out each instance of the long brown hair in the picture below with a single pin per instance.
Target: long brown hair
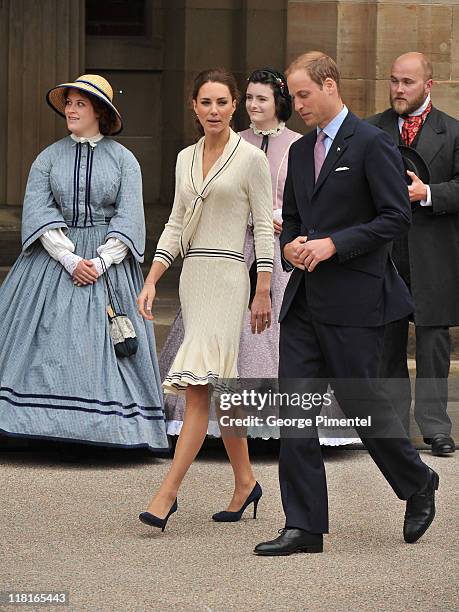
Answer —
(214, 75)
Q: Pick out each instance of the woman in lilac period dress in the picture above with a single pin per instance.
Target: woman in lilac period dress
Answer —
(269, 106)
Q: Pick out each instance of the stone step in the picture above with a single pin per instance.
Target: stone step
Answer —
(10, 248)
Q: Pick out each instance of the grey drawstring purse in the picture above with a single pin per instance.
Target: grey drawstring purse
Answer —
(122, 331)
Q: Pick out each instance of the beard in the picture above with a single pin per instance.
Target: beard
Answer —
(405, 107)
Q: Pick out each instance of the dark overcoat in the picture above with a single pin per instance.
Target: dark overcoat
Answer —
(433, 239)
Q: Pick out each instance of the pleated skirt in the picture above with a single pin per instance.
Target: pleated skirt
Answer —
(214, 296)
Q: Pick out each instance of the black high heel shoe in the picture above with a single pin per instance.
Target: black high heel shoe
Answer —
(155, 521)
(231, 517)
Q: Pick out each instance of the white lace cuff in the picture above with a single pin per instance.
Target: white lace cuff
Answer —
(99, 265)
(70, 261)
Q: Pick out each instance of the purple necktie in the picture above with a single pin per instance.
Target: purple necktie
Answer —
(319, 152)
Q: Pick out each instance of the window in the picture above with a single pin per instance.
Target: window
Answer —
(115, 17)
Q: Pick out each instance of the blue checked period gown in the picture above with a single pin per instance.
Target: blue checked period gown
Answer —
(59, 375)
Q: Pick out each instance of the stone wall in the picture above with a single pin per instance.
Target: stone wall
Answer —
(366, 36)
(41, 43)
(240, 35)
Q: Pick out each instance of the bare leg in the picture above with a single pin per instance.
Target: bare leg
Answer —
(190, 440)
(244, 480)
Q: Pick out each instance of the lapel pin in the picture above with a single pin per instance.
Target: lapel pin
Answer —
(338, 149)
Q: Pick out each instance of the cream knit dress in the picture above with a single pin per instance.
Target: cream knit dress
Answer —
(207, 226)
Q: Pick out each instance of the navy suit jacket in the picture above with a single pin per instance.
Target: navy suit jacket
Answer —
(361, 202)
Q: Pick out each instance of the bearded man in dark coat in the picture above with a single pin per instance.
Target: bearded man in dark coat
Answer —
(428, 256)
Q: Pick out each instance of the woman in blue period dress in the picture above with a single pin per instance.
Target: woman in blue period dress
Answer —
(59, 375)
(219, 182)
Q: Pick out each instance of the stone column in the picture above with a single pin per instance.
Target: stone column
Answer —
(429, 27)
(199, 34)
(41, 44)
(239, 35)
(345, 30)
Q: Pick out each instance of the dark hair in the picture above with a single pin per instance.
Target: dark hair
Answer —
(107, 116)
(214, 75)
(318, 66)
(278, 82)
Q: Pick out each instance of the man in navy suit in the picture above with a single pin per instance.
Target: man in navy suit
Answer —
(345, 199)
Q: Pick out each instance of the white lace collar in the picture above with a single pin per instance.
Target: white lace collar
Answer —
(93, 140)
(274, 132)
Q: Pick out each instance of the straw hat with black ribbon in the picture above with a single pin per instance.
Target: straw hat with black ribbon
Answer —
(92, 84)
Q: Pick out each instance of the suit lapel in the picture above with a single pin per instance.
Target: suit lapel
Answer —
(339, 145)
(389, 123)
(430, 141)
(308, 169)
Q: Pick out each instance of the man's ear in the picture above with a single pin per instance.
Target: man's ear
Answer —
(329, 85)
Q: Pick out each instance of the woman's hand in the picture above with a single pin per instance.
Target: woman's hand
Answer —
(145, 300)
(85, 273)
(260, 312)
(277, 226)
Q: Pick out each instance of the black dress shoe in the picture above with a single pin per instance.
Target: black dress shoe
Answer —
(291, 541)
(441, 444)
(420, 510)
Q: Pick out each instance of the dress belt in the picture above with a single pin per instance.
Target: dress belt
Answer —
(96, 222)
(209, 252)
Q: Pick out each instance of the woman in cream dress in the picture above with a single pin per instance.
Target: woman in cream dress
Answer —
(220, 181)
(268, 105)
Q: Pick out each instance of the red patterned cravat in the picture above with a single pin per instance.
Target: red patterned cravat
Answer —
(412, 125)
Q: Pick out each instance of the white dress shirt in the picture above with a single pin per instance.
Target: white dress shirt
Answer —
(331, 129)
